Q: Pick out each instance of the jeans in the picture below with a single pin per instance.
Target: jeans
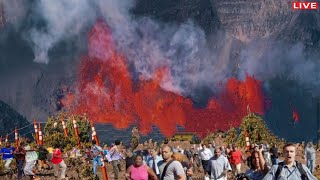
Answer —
(311, 164)
(20, 168)
(116, 168)
(95, 161)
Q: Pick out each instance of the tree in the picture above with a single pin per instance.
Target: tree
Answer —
(135, 138)
(258, 131)
(54, 134)
(231, 136)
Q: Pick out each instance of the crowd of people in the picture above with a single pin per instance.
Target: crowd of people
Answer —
(215, 162)
(167, 162)
(29, 160)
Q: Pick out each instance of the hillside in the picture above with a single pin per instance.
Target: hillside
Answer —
(9, 119)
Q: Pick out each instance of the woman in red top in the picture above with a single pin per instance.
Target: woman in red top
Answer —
(57, 161)
(140, 171)
(235, 159)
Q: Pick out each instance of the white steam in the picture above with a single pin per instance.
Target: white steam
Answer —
(64, 18)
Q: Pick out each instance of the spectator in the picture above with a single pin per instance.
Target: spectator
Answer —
(57, 161)
(169, 168)
(50, 151)
(205, 154)
(310, 156)
(267, 155)
(185, 164)
(218, 166)
(96, 155)
(258, 165)
(145, 155)
(289, 169)
(20, 155)
(7, 155)
(153, 161)
(223, 151)
(211, 147)
(105, 151)
(114, 157)
(187, 152)
(140, 171)
(235, 159)
(129, 158)
(31, 159)
(274, 154)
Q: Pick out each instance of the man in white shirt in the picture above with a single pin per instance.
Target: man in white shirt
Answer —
(204, 155)
(31, 159)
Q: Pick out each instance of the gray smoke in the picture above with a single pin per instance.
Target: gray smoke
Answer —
(146, 42)
(63, 19)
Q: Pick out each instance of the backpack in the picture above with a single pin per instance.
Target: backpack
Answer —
(299, 166)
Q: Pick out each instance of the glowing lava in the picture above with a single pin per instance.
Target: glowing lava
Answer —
(106, 93)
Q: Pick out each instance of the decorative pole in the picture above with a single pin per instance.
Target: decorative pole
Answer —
(94, 134)
(36, 130)
(76, 130)
(247, 139)
(64, 128)
(40, 135)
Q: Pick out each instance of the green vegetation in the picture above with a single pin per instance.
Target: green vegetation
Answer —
(54, 134)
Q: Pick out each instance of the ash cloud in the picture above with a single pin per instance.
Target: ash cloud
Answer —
(195, 58)
(63, 19)
(146, 42)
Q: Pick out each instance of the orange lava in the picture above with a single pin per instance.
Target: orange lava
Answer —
(107, 94)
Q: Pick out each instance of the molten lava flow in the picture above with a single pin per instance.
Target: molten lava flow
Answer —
(155, 106)
(295, 114)
(106, 93)
(229, 109)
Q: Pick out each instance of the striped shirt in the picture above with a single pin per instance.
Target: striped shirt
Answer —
(114, 154)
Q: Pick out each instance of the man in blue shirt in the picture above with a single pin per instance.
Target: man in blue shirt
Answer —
(153, 161)
(96, 153)
(7, 155)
